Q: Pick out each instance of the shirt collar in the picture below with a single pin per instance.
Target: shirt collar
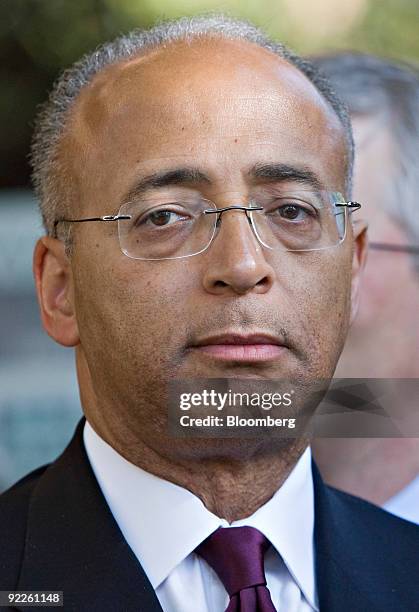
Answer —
(155, 515)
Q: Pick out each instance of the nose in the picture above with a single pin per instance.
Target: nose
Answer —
(236, 262)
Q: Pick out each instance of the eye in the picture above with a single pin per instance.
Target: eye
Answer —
(293, 212)
(161, 217)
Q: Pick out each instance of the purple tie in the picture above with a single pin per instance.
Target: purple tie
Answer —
(236, 555)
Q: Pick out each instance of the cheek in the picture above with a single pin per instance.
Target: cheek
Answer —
(326, 284)
(126, 308)
(386, 274)
(382, 295)
(155, 303)
(132, 325)
(325, 303)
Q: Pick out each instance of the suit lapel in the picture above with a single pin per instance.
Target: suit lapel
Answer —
(337, 589)
(73, 543)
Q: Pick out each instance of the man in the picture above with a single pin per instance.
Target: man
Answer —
(383, 99)
(186, 176)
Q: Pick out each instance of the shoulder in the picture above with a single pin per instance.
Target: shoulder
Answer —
(366, 517)
(364, 546)
(14, 505)
(358, 518)
(360, 546)
(365, 528)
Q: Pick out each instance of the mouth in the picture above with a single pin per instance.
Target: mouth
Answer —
(248, 348)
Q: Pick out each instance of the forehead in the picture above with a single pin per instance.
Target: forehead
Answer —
(218, 102)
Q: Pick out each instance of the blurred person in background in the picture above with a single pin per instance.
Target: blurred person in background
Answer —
(383, 100)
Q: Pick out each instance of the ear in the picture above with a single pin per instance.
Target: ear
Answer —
(54, 286)
(360, 235)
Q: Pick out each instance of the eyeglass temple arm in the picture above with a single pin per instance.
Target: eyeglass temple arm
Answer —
(352, 205)
(104, 218)
(395, 248)
(383, 246)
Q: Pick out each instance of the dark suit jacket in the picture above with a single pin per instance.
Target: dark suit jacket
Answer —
(57, 533)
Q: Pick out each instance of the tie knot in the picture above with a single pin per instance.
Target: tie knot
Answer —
(236, 555)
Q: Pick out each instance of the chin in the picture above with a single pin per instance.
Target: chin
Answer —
(234, 449)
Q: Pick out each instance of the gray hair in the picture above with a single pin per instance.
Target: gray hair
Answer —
(376, 87)
(48, 172)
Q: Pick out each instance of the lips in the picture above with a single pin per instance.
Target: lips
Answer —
(241, 347)
(239, 339)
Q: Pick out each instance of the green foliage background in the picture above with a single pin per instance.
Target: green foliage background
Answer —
(39, 38)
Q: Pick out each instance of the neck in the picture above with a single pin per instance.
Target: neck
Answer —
(232, 477)
(376, 468)
(372, 468)
(232, 488)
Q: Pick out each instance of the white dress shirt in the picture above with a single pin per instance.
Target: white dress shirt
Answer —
(163, 524)
(406, 502)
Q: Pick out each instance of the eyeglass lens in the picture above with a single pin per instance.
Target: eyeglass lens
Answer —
(166, 228)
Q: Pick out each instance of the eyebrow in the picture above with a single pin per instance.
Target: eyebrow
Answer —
(268, 172)
(283, 172)
(177, 176)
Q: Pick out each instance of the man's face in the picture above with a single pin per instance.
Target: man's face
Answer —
(222, 108)
(375, 173)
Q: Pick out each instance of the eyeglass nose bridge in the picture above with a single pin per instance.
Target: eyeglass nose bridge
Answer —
(220, 211)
